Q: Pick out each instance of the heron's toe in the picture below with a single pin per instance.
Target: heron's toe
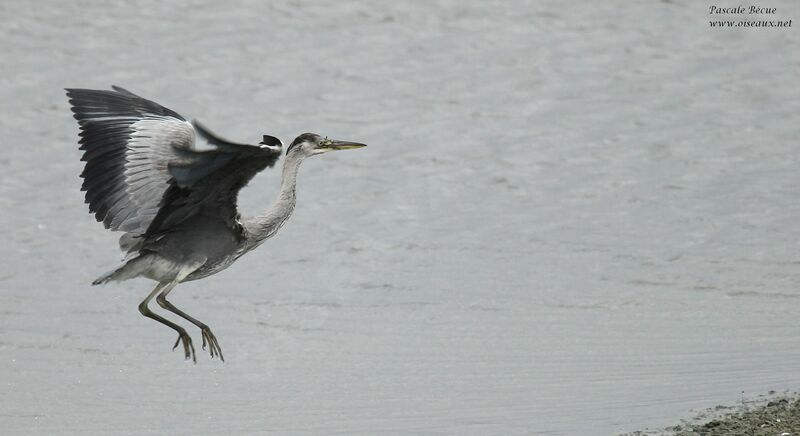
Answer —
(213, 344)
(188, 346)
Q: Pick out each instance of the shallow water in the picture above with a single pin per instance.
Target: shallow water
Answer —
(569, 220)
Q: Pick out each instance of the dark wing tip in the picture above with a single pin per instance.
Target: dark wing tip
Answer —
(117, 101)
(204, 131)
(271, 141)
(122, 90)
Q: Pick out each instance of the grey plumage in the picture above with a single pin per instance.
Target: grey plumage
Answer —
(176, 202)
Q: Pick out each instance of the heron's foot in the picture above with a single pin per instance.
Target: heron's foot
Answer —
(188, 347)
(213, 345)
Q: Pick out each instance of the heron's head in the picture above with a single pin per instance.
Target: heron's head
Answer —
(310, 144)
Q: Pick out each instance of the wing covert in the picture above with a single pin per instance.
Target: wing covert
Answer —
(144, 172)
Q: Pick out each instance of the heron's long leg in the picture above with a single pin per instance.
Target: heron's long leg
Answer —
(184, 337)
(213, 345)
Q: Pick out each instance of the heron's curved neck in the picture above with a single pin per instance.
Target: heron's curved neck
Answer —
(268, 223)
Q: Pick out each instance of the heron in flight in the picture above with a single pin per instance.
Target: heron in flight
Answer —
(175, 201)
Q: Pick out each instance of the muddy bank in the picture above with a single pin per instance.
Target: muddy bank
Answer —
(568, 221)
(769, 415)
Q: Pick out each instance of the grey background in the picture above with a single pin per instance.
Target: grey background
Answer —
(572, 218)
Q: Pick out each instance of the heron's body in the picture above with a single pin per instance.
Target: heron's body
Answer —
(176, 202)
(208, 239)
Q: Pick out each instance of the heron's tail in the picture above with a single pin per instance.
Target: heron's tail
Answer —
(127, 271)
(107, 277)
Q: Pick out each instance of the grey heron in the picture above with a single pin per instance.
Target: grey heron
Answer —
(176, 201)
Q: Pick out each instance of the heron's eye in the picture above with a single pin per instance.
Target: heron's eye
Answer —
(325, 142)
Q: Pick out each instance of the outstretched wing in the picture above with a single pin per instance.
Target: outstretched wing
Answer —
(136, 151)
(211, 189)
(128, 143)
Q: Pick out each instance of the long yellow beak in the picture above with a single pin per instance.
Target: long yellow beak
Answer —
(345, 145)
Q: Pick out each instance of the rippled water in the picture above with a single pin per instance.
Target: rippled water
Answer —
(570, 220)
